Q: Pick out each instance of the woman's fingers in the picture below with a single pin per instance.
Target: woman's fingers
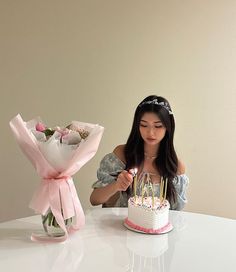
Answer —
(124, 180)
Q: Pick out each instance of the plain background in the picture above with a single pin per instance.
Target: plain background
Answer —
(94, 61)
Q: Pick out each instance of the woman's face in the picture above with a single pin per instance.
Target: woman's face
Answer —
(151, 129)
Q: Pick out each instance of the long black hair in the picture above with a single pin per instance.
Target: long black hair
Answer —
(166, 161)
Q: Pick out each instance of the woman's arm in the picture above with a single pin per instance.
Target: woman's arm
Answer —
(103, 194)
(107, 188)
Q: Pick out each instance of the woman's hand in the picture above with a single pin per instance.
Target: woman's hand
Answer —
(124, 180)
(103, 194)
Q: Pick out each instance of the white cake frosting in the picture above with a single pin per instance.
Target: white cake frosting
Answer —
(148, 214)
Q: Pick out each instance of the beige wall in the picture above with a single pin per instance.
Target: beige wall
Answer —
(95, 60)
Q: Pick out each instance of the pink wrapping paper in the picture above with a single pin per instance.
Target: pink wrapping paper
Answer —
(56, 190)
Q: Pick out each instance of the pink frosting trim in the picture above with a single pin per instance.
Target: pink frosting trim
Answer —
(146, 230)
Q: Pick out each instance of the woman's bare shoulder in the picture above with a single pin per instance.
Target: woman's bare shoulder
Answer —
(119, 151)
(181, 168)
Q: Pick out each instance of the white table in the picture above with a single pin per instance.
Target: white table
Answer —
(197, 243)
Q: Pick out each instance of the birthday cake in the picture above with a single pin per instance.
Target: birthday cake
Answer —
(148, 215)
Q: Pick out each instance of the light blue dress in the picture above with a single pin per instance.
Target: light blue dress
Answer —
(111, 166)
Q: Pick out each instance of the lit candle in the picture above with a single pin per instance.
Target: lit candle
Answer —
(142, 190)
(152, 195)
(135, 171)
(142, 186)
(165, 190)
(161, 190)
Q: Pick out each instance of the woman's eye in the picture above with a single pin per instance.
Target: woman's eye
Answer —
(145, 126)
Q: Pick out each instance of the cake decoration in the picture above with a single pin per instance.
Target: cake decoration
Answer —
(148, 209)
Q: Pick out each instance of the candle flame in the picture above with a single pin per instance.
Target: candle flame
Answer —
(133, 171)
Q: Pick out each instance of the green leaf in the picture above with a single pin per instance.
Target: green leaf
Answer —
(48, 132)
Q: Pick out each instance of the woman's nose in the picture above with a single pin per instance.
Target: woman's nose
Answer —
(150, 131)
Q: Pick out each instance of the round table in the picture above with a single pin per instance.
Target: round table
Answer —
(197, 243)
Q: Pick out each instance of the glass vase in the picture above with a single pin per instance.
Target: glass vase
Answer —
(51, 226)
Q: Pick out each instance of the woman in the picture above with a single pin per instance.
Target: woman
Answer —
(149, 148)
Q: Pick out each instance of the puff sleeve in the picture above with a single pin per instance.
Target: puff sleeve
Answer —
(110, 167)
(181, 183)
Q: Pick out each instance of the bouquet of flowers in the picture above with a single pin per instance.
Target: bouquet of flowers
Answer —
(57, 154)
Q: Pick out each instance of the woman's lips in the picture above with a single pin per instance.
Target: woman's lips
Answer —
(151, 139)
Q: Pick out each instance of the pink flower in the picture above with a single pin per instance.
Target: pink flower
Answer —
(40, 127)
(62, 131)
